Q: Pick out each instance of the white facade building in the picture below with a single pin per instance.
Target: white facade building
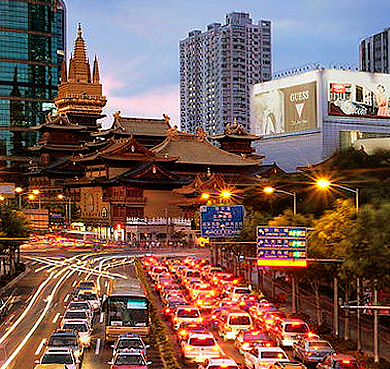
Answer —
(217, 68)
(304, 118)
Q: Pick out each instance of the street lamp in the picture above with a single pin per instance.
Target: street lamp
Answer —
(269, 190)
(325, 184)
(68, 214)
(19, 191)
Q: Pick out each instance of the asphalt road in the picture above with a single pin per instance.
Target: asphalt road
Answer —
(40, 298)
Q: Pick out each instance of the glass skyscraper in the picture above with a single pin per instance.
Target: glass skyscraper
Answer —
(32, 46)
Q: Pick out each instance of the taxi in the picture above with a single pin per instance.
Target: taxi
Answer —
(200, 346)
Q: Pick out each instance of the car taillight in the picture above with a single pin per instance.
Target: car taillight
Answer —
(246, 346)
(268, 344)
(188, 347)
(215, 348)
(167, 310)
(308, 353)
(183, 332)
(199, 302)
(200, 319)
(213, 316)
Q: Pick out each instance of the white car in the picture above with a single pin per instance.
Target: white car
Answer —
(186, 314)
(60, 356)
(222, 362)
(77, 314)
(81, 305)
(83, 329)
(262, 357)
(200, 346)
(92, 298)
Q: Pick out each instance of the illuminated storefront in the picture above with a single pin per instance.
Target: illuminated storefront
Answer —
(304, 118)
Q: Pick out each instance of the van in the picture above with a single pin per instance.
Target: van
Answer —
(287, 331)
(231, 322)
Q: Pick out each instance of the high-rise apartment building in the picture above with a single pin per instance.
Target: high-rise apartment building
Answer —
(32, 47)
(217, 68)
(374, 53)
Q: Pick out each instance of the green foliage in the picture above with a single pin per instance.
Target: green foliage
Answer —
(13, 223)
(287, 218)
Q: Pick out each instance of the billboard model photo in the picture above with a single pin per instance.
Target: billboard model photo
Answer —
(285, 110)
(359, 99)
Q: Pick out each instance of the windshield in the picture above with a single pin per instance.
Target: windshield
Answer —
(346, 364)
(79, 306)
(130, 343)
(76, 327)
(239, 320)
(63, 341)
(127, 311)
(88, 297)
(188, 313)
(320, 345)
(296, 328)
(197, 341)
(88, 284)
(273, 355)
(129, 360)
(57, 359)
(73, 314)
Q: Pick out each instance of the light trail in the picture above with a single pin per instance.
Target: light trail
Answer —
(97, 346)
(40, 346)
(35, 326)
(56, 318)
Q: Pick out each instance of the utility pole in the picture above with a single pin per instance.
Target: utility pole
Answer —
(376, 341)
(358, 332)
(335, 307)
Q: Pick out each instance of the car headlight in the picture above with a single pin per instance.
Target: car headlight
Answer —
(77, 353)
(85, 339)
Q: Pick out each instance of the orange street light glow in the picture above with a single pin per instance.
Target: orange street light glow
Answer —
(225, 194)
(268, 190)
(205, 196)
(31, 196)
(60, 196)
(35, 192)
(18, 189)
(323, 183)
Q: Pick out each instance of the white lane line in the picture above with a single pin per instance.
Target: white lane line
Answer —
(97, 346)
(74, 283)
(40, 346)
(56, 318)
(80, 272)
(38, 322)
(66, 297)
(101, 318)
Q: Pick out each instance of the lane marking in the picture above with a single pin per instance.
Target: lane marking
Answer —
(66, 275)
(74, 283)
(40, 346)
(66, 297)
(56, 318)
(97, 346)
(101, 317)
(79, 273)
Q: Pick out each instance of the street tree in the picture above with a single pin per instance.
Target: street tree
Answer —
(13, 224)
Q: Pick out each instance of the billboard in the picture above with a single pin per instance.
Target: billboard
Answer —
(361, 98)
(285, 110)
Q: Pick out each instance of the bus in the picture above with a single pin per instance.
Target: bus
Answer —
(126, 308)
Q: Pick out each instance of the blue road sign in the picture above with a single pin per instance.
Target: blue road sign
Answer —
(281, 246)
(221, 220)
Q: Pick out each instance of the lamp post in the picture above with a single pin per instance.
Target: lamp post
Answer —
(68, 214)
(269, 190)
(324, 184)
(19, 191)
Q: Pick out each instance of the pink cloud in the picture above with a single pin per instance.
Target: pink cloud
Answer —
(150, 104)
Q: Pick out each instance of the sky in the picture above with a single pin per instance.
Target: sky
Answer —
(137, 41)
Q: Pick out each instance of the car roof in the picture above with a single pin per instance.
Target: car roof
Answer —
(61, 350)
(343, 357)
(201, 335)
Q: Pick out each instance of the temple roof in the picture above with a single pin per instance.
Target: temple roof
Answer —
(58, 122)
(150, 173)
(195, 149)
(124, 149)
(127, 126)
(236, 131)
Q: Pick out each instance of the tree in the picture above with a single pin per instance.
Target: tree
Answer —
(13, 224)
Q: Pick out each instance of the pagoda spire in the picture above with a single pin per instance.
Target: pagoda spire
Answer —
(79, 60)
(64, 76)
(96, 74)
